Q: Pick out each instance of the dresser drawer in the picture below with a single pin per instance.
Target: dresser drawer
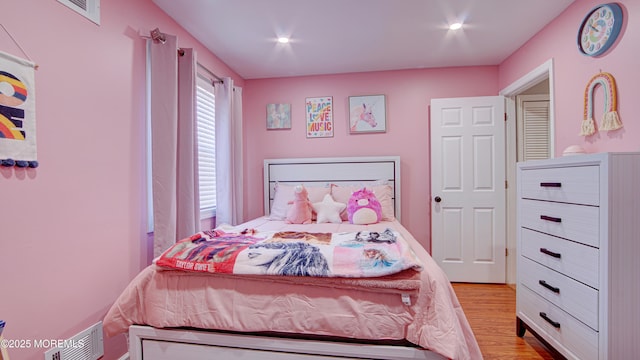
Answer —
(572, 296)
(570, 334)
(574, 222)
(577, 185)
(574, 260)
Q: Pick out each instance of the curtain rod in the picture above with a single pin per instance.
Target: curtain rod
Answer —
(219, 79)
(159, 36)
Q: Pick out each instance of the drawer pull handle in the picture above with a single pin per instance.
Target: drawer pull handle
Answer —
(554, 323)
(550, 253)
(550, 218)
(550, 184)
(552, 288)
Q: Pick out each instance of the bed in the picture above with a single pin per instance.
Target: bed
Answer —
(409, 314)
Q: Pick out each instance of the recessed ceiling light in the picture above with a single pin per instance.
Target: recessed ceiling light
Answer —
(283, 40)
(455, 26)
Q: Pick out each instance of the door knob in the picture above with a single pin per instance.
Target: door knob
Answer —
(437, 199)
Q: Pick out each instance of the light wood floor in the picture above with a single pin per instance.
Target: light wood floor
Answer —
(491, 311)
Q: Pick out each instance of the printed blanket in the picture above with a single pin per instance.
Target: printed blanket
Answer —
(293, 253)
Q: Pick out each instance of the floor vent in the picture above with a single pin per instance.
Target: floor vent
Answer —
(87, 8)
(86, 345)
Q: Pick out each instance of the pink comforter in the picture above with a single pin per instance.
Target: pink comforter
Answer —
(370, 309)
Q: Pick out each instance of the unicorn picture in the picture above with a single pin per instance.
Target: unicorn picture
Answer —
(367, 114)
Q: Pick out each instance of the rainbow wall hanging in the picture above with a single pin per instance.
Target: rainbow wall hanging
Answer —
(610, 119)
(17, 112)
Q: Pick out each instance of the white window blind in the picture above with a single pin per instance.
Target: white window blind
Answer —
(206, 118)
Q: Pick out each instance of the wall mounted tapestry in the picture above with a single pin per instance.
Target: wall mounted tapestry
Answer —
(610, 119)
(17, 112)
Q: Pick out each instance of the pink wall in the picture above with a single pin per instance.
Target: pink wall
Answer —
(572, 72)
(408, 94)
(73, 230)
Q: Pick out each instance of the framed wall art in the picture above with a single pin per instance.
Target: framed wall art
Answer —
(278, 116)
(367, 114)
(319, 113)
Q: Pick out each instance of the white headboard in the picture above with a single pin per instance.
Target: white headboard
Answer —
(341, 171)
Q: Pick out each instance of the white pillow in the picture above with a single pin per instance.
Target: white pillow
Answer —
(328, 210)
(284, 194)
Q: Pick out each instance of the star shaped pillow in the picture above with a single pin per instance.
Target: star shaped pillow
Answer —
(328, 210)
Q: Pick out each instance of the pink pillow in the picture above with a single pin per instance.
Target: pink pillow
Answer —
(284, 194)
(384, 194)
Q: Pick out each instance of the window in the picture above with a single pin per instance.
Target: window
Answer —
(206, 119)
(205, 122)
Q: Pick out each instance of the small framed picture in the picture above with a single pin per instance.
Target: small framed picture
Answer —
(367, 114)
(278, 116)
(319, 112)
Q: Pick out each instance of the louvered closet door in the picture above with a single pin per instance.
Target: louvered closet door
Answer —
(533, 127)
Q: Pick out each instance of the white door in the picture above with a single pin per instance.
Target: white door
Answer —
(468, 197)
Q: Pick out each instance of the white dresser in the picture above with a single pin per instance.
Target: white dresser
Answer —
(578, 283)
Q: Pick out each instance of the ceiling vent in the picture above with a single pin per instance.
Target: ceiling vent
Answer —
(87, 8)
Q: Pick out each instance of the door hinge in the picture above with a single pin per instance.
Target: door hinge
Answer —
(506, 252)
(506, 184)
(505, 116)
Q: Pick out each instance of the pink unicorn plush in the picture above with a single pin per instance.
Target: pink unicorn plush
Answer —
(364, 207)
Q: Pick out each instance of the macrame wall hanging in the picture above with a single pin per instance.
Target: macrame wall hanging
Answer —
(610, 119)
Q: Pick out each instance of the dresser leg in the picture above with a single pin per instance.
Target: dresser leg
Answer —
(520, 328)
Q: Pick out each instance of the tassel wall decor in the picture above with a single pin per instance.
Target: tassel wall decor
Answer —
(610, 119)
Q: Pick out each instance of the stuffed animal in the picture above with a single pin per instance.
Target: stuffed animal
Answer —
(300, 211)
(364, 208)
(328, 210)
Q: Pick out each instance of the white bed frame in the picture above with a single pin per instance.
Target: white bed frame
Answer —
(339, 171)
(149, 343)
(165, 344)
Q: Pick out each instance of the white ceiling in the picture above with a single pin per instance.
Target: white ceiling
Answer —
(342, 36)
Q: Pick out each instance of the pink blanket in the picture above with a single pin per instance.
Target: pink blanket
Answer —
(361, 308)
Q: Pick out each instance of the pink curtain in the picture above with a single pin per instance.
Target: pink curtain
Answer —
(174, 166)
(229, 157)
(188, 217)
